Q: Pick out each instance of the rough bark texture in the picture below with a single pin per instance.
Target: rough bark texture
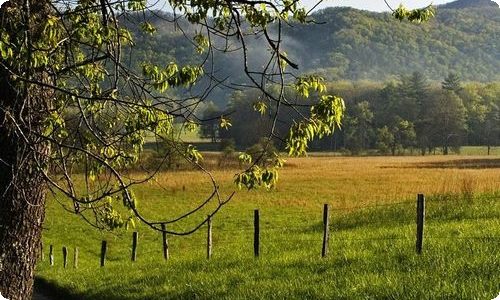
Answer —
(23, 156)
(22, 208)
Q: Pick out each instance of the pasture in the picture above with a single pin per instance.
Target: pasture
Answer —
(372, 236)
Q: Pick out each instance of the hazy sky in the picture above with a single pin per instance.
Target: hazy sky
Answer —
(377, 5)
(373, 5)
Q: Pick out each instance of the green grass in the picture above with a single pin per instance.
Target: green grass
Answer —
(464, 150)
(371, 257)
(372, 247)
(479, 150)
(471, 150)
(183, 134)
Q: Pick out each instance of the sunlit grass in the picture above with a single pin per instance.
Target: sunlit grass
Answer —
(371, 252)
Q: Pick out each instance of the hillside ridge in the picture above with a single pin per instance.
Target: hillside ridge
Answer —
(352, 44)
(461, 4)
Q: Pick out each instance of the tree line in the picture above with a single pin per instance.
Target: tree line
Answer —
(406, 114)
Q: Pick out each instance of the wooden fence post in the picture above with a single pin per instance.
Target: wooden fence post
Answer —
(256, 233)
(65, 256)
(165, 241)
(75, 258)
(104, 248)
(209, 237)
(420, 222)
(42, 255)
(326, 230)
(51, 255)
(135, 237)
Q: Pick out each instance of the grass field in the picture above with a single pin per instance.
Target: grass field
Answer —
(479, 150)
(372, 246)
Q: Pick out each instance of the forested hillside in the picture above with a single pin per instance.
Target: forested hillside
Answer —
(470, 3)
(353, 44)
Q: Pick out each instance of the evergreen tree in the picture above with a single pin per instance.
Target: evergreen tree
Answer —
(448, 120)
(359, 128)
(491, 129)
(210, 122)
(452, 83)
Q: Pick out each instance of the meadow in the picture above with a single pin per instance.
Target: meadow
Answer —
(372, 236)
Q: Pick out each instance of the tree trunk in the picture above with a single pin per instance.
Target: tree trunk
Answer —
(445, 148)
(22, 210)
(23, 154)
(22, 203)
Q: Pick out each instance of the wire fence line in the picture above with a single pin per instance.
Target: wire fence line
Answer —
(452, 198)
(275, 233)
(350, 208)
(298, 239)
(241, 244)
(497, 238)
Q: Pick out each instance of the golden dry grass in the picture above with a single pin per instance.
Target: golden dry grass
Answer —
(386, 179)
(351, 181)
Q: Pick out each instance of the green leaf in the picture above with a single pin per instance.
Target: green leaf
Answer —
(245, 158)
(260, 106)
(193, 154)
(225, 123)
(148, 28)
(136, 5)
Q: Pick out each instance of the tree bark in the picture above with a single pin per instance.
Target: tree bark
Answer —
(22, 210)
(23, 155)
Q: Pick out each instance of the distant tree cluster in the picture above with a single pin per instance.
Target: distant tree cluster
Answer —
(408, 114)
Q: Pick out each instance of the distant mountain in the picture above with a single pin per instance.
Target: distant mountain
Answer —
(469, 3)
(353, 44)
(347, 43)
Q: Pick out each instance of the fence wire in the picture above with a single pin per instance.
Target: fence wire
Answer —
(272, 234)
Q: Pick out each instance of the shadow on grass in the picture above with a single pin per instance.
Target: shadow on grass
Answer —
(384, 216)
(443, 208)
(52, 291)
(459, 164)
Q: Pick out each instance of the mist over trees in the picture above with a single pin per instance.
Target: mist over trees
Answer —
(350, 44)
